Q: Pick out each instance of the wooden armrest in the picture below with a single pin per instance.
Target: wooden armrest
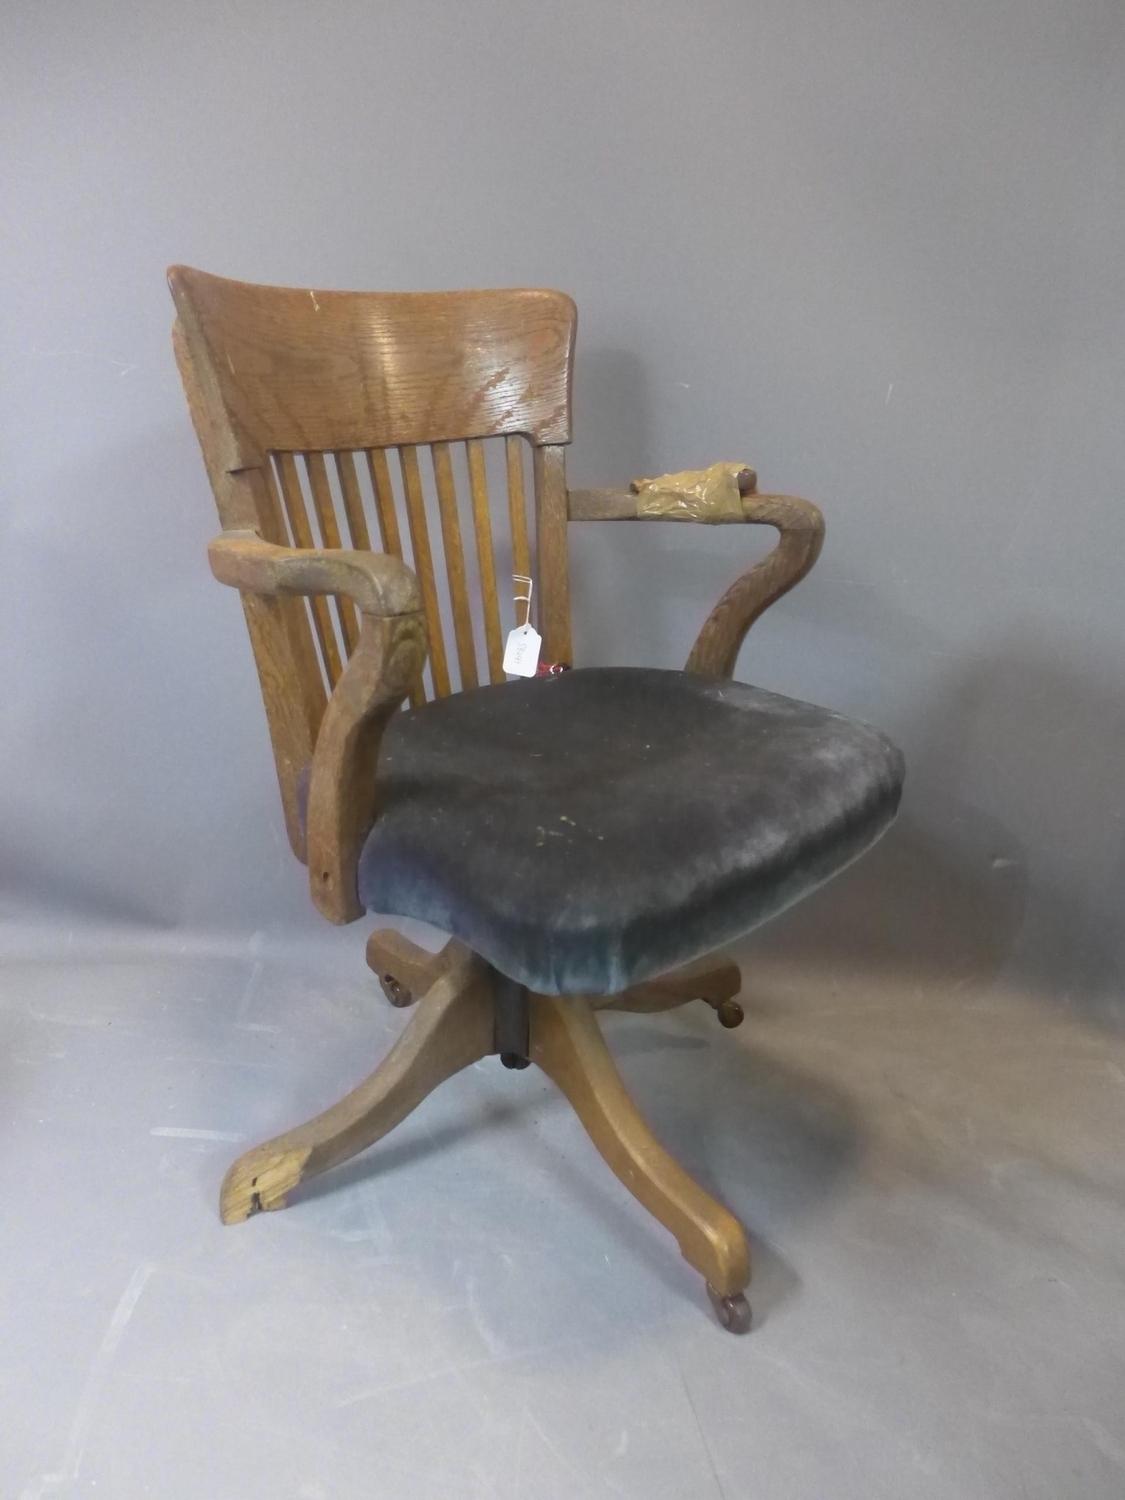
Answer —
(387, 661)
(378, 583)
(801, 528)
(603, 505)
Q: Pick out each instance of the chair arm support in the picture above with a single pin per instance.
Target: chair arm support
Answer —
(386, 662)
(378, 583)
(801, 528)
(801, 535)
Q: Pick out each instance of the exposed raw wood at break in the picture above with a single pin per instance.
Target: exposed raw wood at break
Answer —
(550, 535)
(424, 566)
(567, 1044)
(486, 562)
(455, 565)
(450, 1029)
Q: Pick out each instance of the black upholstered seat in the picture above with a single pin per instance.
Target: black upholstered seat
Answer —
(588, 831)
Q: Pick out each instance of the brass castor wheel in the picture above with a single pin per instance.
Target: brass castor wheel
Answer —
(730, 1013)
(396, 993)
(733, 1312)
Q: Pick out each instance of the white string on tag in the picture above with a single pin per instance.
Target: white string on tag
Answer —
(517, 598)
(521, 653)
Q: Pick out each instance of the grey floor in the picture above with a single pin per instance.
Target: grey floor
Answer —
(930, 1164)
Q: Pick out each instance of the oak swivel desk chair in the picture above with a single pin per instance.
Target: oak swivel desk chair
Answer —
(587, 839)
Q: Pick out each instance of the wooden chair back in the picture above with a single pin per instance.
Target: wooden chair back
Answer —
(312, 409)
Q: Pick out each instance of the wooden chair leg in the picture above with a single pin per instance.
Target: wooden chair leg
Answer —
(567, 1044)
(405, 970)
(716, 984)
(451, 1029)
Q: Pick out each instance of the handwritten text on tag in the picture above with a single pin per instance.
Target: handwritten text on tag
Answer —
(521, 654)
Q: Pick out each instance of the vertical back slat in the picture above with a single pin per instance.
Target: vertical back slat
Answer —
(550, 560)
(550, 540)
(270, 520)
(424, 565)
(455, 563)
(517, 506)
(301, 533)
(293, 612)
(384, 492)
(486, 564)
(330, 537)
(273, 373)
(358, 534)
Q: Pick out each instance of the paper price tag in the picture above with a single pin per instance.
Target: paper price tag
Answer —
(521, 654)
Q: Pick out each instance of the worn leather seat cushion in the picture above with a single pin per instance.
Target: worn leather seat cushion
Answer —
(592, 830)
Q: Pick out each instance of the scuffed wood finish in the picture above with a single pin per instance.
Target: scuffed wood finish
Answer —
(377, 584)
(801, 528)
(342, 788)
(566, 1042)
(450, 1029)
(301, 368)
(550, 535)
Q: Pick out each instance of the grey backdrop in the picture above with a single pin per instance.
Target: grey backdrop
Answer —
(873, 248)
